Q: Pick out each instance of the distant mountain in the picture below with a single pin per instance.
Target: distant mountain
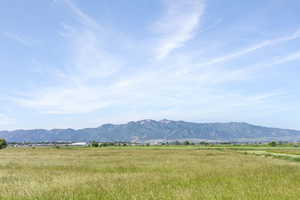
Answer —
(151, 130)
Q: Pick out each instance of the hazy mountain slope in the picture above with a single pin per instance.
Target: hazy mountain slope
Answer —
(147, 130)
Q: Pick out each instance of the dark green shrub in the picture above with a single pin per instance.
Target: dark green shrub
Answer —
(3, 143)
(95, 144)
(107, 144)
(273, 144)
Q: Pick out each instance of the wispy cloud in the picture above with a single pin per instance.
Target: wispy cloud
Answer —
(272, 62)
(81, 15)
(291, 57)
(64, 100)
(211, 26)
(245, 51)
(84, 77)
(92, 78)
(83, 94)
(18, 38)
(178, 25)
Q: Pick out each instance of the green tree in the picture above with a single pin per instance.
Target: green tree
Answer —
(3, 143)
(95, 144)
(273, 144)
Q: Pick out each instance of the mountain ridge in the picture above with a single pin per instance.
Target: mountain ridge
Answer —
(156, 130)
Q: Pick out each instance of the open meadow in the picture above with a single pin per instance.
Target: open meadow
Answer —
(145, 173)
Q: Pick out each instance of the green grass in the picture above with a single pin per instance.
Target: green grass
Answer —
(144, 174)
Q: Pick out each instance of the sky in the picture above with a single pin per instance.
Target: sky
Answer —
(78, 63)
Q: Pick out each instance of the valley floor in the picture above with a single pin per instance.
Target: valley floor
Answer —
(147, 173)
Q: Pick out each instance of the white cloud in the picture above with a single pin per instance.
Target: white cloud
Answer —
(178, 25)
(159, 88)
(93, 78)
(86, 88)
(84, 77)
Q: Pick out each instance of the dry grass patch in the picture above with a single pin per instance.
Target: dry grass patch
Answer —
(99, 173)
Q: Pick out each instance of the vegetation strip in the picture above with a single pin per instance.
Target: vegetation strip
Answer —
(285, 156)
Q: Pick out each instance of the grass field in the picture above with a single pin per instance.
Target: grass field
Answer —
(145, 173)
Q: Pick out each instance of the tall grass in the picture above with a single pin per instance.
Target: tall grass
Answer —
(144, 174)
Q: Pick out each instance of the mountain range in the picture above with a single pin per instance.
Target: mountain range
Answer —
(154, 131)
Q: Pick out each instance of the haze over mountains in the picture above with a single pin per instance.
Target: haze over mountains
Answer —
(151, 130)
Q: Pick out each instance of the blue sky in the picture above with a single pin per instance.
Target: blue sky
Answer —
(77, 63)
